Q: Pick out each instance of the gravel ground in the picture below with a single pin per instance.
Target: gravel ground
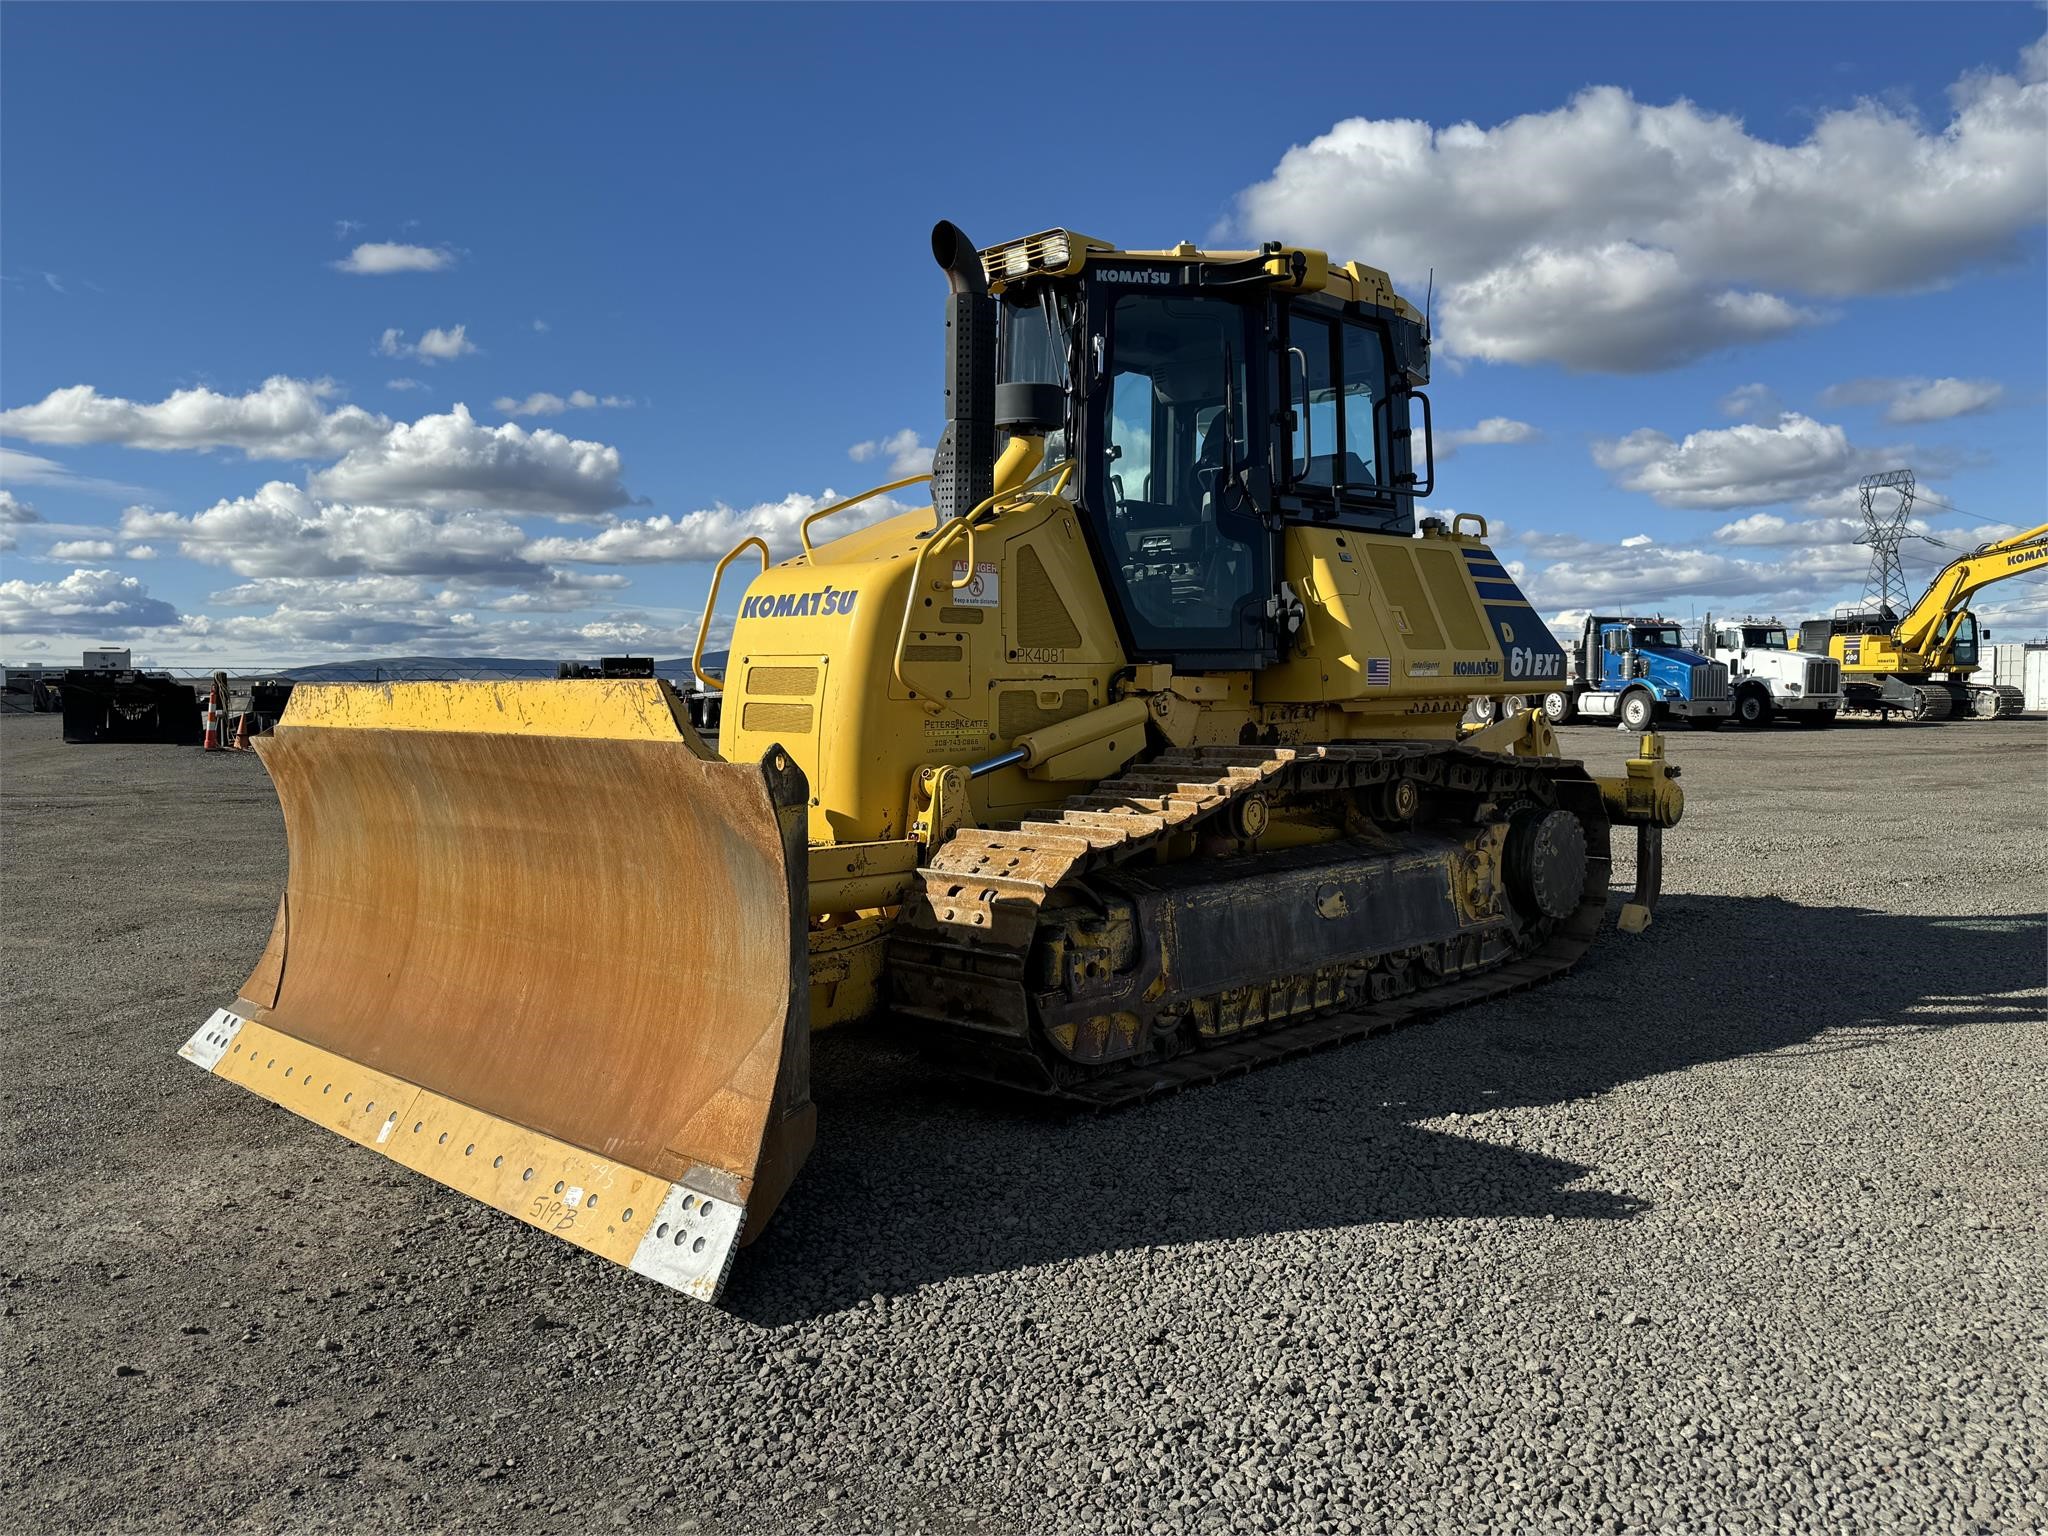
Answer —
(1737, 1228)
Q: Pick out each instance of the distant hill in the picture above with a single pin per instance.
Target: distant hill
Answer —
(400, 669)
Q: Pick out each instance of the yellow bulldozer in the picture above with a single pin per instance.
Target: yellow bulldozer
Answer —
(1922, 665)
(1133, 760)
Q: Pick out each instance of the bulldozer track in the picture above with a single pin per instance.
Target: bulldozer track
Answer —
(961, 958)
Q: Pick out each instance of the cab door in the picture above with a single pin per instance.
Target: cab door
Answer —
(1174, 443)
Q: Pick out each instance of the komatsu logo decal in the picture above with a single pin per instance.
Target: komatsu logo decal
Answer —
(798, 605)
(2027, 556)
(1131, 275)
(1475, 669)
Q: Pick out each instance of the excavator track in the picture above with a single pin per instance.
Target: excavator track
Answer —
(1996, 701)
(1931, 703)
(968, 965)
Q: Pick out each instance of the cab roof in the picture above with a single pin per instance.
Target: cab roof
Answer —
(1300, 269)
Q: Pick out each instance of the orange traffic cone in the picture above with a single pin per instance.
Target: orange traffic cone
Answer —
(211, 741)
(242, 732)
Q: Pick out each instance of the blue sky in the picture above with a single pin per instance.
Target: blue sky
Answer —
(369, 330)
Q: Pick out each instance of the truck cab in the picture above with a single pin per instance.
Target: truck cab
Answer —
(1638, 672)
(1769, 677)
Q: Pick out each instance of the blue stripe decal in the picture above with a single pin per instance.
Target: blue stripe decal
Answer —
(1499, 573)
(1481, 553)
(1500, 592)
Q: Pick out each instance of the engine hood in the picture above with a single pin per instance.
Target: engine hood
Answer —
(1676, 655)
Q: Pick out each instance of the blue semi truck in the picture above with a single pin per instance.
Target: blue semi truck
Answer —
(1639, 673)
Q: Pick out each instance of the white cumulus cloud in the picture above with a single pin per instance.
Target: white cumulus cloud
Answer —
(709, 533)
(281, 530)
(904, 452)
(1740, 466)
(1617, 308)
(102, 602)
(1909, 401)
(285, 418)
(1617, 235)
(450, 461)
(541, 403)
(82, 549)
(379, 258)
(14, 513)
(1641, 575)
(436, 346)
(1494, 430)
(1751, 400)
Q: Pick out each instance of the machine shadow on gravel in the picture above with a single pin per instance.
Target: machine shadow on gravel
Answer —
(912, 1183)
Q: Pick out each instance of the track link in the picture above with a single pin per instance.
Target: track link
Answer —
(960, 960)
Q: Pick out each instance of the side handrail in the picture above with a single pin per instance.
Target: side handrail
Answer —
(945, 536)
(1459, 519)
(705, 679)
(803, 530)
(1059, 475)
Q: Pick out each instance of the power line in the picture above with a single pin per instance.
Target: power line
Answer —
(1966, 512)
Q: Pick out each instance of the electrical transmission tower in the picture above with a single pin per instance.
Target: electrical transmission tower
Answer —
(1884, 526)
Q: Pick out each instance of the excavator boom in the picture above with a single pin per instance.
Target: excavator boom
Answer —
(1967, 575)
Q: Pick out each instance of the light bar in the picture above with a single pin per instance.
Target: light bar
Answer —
(1050, 253)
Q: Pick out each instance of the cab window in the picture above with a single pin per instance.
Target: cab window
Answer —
(1337, 373)
(1963, 641)
(1031, 352)
(1768, 638)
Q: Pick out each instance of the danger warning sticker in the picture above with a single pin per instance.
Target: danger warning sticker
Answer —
(982, 592)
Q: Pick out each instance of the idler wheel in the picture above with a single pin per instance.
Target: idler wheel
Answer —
(1546, 861)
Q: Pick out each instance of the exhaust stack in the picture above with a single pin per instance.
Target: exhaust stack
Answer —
(964, 467)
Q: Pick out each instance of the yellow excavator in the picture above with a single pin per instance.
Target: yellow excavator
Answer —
(1131, 761)
(1921, 665)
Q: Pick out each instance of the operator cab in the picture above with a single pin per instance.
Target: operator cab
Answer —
(1210, 402)
(1962, 640)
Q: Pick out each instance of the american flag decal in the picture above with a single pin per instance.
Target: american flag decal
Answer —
(1379, 672)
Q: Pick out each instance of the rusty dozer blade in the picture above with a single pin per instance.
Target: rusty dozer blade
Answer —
(539, 943)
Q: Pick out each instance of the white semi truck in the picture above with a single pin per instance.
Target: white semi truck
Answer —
(1769, 677)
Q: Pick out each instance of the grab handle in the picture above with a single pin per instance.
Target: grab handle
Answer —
(705, 679)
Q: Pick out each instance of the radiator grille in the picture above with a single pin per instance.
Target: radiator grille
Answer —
(1043, 622)
(1710, 682)
(777, 719)
(1823, 677)
(1448, 584)
(1018, 712)
(960, 615)
(782, 682)
(1395, 570)
(931, 653)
